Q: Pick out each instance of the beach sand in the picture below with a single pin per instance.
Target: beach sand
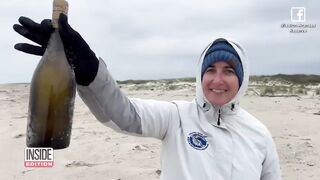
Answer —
(98, 152)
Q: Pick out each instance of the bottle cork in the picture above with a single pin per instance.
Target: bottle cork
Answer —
(59, 6)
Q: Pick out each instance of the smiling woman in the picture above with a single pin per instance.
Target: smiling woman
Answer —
(220, 83)
(222, 73)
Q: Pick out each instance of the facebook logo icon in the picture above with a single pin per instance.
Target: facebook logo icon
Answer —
(298, 14)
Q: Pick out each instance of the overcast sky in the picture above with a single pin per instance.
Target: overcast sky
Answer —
(156, 39)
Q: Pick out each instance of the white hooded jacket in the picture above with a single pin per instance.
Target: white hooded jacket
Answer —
(199, 141)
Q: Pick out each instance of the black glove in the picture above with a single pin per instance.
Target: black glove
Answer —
(79, 55)
(38, 33)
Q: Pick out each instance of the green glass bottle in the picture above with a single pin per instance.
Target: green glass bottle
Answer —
(52, 93)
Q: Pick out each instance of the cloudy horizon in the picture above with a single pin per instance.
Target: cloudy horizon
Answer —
(162, 39)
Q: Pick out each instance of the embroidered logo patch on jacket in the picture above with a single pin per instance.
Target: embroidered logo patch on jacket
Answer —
(197, 141)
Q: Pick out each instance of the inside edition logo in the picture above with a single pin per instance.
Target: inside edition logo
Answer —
(38, 157)
(298, 14)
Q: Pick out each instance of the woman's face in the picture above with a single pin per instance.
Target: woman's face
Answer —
(220, 83)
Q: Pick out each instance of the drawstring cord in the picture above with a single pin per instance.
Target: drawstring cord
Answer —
(219, 117)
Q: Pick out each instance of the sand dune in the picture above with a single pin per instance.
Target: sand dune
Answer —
(97, 152)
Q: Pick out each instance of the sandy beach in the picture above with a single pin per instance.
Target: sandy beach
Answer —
(97, 152)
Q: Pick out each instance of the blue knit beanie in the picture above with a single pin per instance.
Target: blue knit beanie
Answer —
(223, 51)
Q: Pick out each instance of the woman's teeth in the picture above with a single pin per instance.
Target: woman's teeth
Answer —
(218, 90)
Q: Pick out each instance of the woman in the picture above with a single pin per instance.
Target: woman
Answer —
(211, 137)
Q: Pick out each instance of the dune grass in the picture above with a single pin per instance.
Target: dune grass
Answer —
(273, 85)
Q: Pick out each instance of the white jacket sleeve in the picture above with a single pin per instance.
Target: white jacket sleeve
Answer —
(271, 165)
(111, 107)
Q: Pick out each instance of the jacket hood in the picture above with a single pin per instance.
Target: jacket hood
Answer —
(201, 99)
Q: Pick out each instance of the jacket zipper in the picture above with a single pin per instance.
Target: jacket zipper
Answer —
(219, 117)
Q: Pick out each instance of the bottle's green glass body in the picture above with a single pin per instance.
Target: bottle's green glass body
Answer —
(51, 101)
